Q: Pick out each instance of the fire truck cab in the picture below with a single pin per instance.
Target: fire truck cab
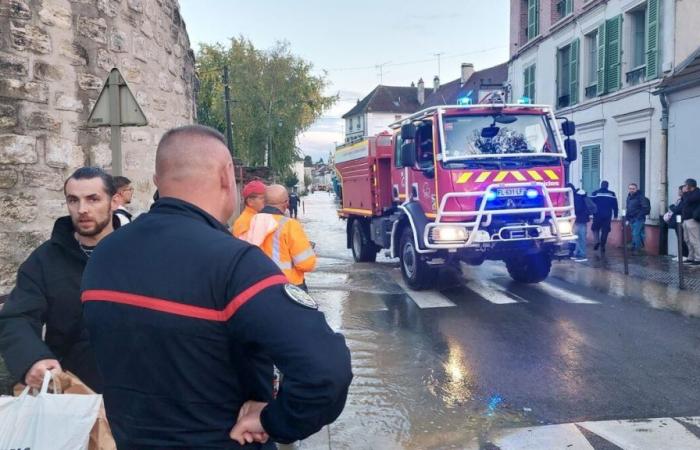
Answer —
(463, 183)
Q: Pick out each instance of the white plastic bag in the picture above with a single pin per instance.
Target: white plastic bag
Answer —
(47, 421)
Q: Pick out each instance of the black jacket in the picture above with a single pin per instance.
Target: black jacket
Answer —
(606, 203)
(690, 202)
(176, 329)
(638, 206)
(583, 206)
(48, 292)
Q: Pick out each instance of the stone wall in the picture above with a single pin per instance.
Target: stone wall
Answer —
(54, 58)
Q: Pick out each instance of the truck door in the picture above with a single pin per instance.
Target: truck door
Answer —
(422, 176)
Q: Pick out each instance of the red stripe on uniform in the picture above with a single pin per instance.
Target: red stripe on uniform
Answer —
(179, 309)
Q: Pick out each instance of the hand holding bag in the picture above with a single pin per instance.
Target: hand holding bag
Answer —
(47, 421)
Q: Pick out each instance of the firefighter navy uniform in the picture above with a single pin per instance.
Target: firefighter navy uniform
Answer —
(188, 331)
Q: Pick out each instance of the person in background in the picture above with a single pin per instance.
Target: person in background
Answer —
(638, 208)
(676, 210)
(48, 288)
(584, 207)
(254, 198)
(606, 209)
(281, 238)
(124, 193)
(293, 204)
(691, 221)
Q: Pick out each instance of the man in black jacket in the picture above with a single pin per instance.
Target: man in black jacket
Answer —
(606, 209)
(638, 208)
(691, 220)
(48, 288)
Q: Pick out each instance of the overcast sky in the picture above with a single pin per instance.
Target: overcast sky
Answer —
(349, 39)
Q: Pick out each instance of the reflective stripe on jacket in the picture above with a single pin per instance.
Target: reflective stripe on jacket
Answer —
(287, 245)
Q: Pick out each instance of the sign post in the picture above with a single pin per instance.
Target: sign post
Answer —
(116, 107)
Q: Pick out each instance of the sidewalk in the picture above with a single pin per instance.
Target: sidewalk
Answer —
(648, 267)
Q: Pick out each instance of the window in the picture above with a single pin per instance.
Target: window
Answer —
(638, 38)
(529, 83)
(533, 19)
(567, 75)
(564, 7)
(590, 168)
(591, 64)
(609, 56)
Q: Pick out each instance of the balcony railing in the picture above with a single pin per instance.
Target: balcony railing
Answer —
(591, 91)
(636, 75)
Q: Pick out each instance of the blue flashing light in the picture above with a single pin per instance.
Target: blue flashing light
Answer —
(532, 194)
(524, 101)
(464, 101)
(491, 196)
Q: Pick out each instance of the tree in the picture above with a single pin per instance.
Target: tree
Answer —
(307, 181)
(275, 98)
(320, 161)
(291, 180)
(307, 161)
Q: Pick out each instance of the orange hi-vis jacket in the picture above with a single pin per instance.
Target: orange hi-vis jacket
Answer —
(242, 223)
(284, 241)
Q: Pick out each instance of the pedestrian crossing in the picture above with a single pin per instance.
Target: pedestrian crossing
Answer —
(654, 433)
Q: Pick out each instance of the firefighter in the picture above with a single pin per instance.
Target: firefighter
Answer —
(178, 331)
(282, 238)
(254, 198)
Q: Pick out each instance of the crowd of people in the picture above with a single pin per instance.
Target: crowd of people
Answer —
(602, 207)
(177, 319)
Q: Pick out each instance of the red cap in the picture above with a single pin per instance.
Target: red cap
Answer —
(253, 188)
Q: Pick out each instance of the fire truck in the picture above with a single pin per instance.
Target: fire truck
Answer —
(462, 183)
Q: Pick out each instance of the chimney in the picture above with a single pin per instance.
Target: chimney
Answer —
(421, 92)
(436, 83)
(467, 71)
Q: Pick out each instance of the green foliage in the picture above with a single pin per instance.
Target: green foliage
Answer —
(275, 98)
(307, 181)
(291, 180)
(307, 161)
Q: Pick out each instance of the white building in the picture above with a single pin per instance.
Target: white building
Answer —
(598, 62)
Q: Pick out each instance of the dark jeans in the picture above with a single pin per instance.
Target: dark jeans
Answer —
(601, 230)
(637, 233)
(293, 212)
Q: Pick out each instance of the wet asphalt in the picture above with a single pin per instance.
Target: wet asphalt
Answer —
(585, 345)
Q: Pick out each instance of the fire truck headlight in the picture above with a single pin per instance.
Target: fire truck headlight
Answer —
(564, 227)
(449, 234)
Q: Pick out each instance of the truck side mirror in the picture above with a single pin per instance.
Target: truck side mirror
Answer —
(571, 148)
(408, 154)
(408, 131)
(568, 128)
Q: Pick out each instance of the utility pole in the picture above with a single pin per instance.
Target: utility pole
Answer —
(227, 106)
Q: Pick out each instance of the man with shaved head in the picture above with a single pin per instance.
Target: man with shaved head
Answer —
(282, 238)
(187, 335)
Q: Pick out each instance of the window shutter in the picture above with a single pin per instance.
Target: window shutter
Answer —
(652, 39)
(586, 168)
(533, 19)
(601, 60)
(532, 83)
(526, 81)
(613, 35)
(574, 72)
(590, 171)
(568, 7)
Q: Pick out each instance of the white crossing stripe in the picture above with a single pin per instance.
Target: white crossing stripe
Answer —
(647, 433)
(563, 294)
(493, 292)
(424, 299)
(565, 436)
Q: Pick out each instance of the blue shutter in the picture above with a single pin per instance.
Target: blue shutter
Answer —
(602, 47)
(574, 72)
(652, 44)
(613, 35)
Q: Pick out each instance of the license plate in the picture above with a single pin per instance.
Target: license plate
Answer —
(510, 192)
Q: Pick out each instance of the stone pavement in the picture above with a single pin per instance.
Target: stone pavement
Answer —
(661, 269)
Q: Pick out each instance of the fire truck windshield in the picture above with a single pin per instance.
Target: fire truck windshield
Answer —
(493, 135)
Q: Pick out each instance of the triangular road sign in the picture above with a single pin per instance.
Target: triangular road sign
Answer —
(116, 105)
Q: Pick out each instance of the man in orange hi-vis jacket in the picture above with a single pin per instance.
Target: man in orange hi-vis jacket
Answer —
(254, 197)
(282, 238)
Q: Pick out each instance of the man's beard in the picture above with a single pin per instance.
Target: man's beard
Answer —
(99, 227)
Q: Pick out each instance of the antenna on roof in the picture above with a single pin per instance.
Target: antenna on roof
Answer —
(380, 68)
(438, 55)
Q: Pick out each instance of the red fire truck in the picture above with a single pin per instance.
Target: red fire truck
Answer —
(462, 183)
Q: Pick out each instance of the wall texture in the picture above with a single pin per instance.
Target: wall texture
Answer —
(54, 58)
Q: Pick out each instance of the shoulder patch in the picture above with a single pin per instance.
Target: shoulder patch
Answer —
(300, 296)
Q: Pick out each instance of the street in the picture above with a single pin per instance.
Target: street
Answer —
(489, 363)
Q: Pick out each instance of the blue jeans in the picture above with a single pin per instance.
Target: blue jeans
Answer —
(637, 233)
(581, 229)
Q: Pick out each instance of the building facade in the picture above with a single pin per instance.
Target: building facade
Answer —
(598, 62)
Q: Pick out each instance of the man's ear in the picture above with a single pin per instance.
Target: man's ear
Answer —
(114, 204)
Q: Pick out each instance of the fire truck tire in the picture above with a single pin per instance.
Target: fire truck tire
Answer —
(530, 268)
(363, 249)
(417, 274)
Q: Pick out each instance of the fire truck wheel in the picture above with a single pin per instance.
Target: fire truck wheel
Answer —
(363, 249)
(417, 274)
(529, 268)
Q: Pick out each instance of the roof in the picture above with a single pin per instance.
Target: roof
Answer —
(449, 93)
(687, 74)
(394, 99)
